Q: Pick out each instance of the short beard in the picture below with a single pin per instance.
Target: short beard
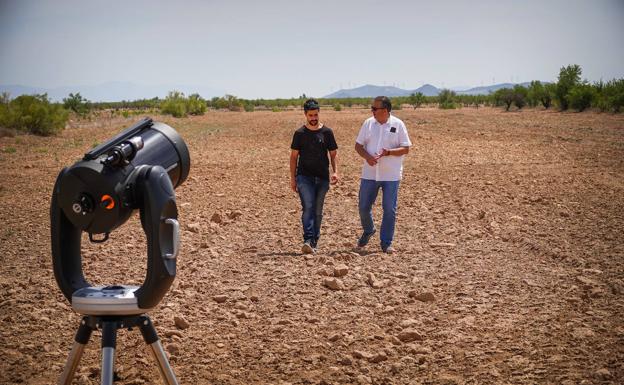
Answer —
(313, 122)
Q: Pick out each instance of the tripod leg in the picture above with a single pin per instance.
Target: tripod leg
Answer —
(82, 338)
(109, 337)
(156, 349)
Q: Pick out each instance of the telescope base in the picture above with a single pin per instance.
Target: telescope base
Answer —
(109, 326)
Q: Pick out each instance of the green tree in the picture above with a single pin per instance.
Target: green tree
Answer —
(447, 99)
(417, 99)
(569, 77)
(504, 96)
(519, 96)
(78, 104)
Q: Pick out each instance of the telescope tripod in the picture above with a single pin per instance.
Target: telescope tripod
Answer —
(109, 326)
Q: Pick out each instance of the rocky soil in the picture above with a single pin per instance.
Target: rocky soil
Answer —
(510, 262)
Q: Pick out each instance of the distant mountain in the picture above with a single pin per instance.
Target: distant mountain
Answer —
(485, 90)
(367, 91)
(370, 91)
(112, 91)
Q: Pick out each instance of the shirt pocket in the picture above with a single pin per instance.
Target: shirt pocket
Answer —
(390, 139)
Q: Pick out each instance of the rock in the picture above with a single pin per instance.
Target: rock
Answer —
(333, 283)
(346, 360)
(603, 374)
(341, 270)
(409, 335)
(335, 337)
(173, 348)
(216, 218)
(220, 298)
(234, 214)
(379, 357)
(409, 322)
(362, 354)
(422, 297)
(193, 227)
(418, 349)
(181, 322)
(373, 282)
(170, 333)
(442, 244)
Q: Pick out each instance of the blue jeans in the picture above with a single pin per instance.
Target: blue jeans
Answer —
(368, 195)
(312, 192)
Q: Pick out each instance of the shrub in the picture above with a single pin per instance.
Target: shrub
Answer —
(581, 96)
(611, 95)
(446, 99)
(34, 114)
(337, 107)
(175, 105)
(249, 107)
(195, 105)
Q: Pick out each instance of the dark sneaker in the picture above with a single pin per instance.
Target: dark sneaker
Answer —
(363, 241)
(307, 247)
(388, 249)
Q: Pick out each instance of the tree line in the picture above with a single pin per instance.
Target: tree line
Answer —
(37, 115)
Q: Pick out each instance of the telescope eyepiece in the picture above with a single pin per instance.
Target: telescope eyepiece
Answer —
(123, 153)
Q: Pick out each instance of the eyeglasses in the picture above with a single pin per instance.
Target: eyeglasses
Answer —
(374, 109)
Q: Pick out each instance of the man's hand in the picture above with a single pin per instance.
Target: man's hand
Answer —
(372, 160)
(334, 178)
(293, 184)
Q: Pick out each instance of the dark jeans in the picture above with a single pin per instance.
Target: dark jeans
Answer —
(312, 192)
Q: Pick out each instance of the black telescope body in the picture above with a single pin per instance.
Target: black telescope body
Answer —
(137, 169)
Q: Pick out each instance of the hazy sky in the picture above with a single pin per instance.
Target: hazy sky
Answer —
(286, 48)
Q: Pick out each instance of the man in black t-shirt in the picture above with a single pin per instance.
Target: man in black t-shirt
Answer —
(309, 171)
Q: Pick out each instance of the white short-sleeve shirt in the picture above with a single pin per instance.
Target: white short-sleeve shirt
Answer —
(375, 137)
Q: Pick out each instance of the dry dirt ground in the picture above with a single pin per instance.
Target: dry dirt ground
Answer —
(509, 270)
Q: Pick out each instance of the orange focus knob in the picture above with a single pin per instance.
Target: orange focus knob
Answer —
(107, 201)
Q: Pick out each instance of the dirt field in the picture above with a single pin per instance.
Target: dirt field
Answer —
(509, 270)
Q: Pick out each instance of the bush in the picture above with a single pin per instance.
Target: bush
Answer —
(174, 104)
(446, 99)
(610, 95)
(581, 96)
(195, 105)
(249, 107)
(34, 114)
(337, 107)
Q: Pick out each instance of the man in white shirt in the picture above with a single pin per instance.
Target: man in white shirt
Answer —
(383, 142)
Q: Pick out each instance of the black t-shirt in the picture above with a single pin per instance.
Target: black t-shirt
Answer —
(313, 147)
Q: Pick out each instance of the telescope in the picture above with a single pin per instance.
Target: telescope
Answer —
(136, 170)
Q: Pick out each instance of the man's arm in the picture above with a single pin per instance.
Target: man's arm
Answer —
(334, 164)
(395, 151)
(371, 160)
(294, 155)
